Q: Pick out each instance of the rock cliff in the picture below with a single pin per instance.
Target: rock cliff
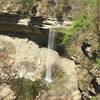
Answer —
(22, 67)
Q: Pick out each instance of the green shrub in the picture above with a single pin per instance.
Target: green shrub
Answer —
(93, 98)
(26, 89)
(98, 62)
(26, 6)
(83, 23)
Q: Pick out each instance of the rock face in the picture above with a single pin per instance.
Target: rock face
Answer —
(22, 67)
(9, 6)
(96, 79)
(87, 71)
(13, 25)
(6, 93)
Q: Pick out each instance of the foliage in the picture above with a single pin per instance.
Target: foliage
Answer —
(26, 89)
(93, 98)
(92, 8)
(59, 13)
(98, 62)
(82, 23)
(26, 6)
(63, 8)
(85, 21)
(90, 2)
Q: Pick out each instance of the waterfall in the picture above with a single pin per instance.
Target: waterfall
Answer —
(51, 38)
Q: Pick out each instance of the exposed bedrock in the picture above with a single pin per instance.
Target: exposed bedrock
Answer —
(12, 25)
(22, 61)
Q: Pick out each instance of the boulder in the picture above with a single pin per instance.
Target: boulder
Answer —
(6, 93)
(25, 60)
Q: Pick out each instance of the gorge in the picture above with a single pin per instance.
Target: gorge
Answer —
(49, 50)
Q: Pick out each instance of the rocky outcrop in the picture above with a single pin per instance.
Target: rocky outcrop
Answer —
(22, 64)
(96, 79)
(13, 25)
(87, 69)
(6, 93)
(9, 6)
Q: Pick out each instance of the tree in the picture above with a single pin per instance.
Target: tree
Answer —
(26, 6)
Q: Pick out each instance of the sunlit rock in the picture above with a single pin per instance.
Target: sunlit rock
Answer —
(28, 66)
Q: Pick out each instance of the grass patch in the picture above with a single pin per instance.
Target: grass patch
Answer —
(94, 98)
(26, 89)
(98, 62)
